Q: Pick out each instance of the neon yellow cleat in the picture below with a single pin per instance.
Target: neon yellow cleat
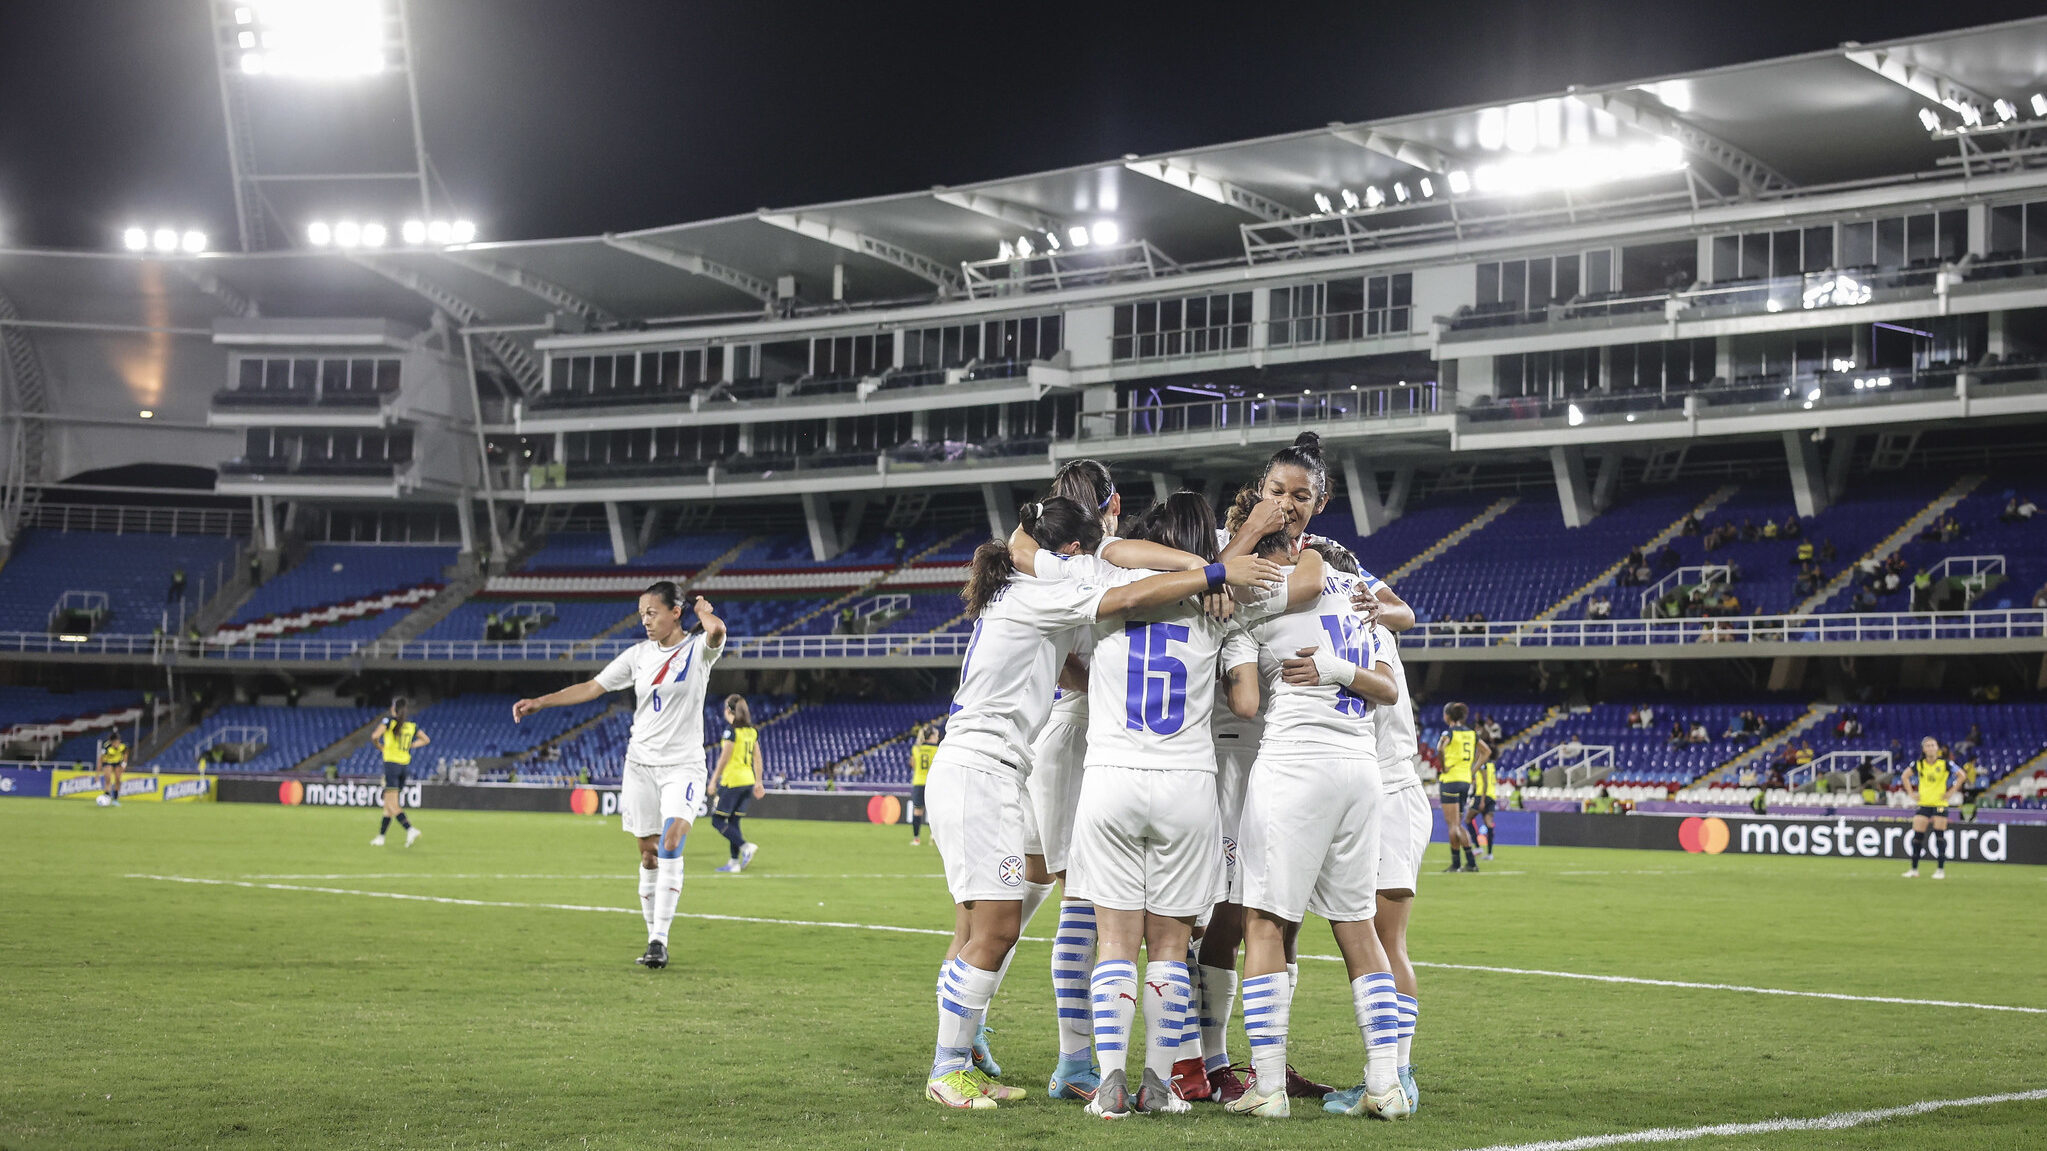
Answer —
(1000, 1092)
(956, 1090)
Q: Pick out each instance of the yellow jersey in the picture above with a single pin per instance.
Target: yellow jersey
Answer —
(739, 768)
(1487, 782)
(114, 754)
(396, 741)
(1460, 747)
(1935, 779)
(920, 763)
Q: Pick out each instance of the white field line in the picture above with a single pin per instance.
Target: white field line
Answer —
(626, 873)
(1835, 1122)
(449, 899)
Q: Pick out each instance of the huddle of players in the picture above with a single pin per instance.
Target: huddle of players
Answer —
(1199, 732)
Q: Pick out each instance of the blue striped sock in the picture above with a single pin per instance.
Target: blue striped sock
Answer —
(1268, 1000)
(1409, 1009)
(963, 994)
(1073, 952)
(1377, 1007)
(1113, 990)
(1167, 994)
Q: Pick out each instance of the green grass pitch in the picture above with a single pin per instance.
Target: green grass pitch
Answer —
(140, 1013)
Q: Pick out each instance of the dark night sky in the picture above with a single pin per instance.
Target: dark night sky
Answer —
(551, 117)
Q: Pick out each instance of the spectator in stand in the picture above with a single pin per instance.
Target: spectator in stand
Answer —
(1634, 717)
(1648, 717)
(1770, 529)
(1828, 552)
(1891, 583)
(1805, 553)
(1968, 745)
(1804, 754)
(1668, 559)
(1677, 732)
(1774, 781)
(1792, 528)
(1570, 751)
(1697, 733)
(1690, 526)
(1748, 531)
(1600, 607)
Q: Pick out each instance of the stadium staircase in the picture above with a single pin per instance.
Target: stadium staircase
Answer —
(1704, 508)
(451, 596)
(872, 586)
(1730, 771)
(845, 768)
(229, 599)
(281, 625)
(1941, 505)
(589, 645)
(1436, 550)
(1556, 715)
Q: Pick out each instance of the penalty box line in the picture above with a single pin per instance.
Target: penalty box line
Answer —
(1835, 1122)
(895, 930)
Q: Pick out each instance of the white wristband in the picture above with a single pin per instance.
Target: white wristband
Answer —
(1332, 670)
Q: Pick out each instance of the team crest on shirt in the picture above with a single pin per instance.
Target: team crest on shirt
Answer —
(1011, 870)
(1229, 852)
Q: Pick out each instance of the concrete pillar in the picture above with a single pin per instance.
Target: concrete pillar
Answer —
(1607, 483)
(648, 523)
(614, 519)
(1605, 383)
(1996, 343)
(1723, 357)
(1808, 482)
(849, 528)
(920, 426)
(1396, 499)
(1787, 673)
(745, 439)
(468, 529)
(1163, 484)
(1368, 512)
(1838, 462)
(1001, 509)
(824, 530)
(1574, 493)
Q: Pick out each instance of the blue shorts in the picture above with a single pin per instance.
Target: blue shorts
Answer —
(1457, 793)
(395, 775)
(732, 801)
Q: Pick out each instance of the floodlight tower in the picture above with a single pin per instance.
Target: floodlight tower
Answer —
(321, 103)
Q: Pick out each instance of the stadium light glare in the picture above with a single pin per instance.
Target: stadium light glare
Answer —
(2006, 110)
(1428, 189)
(439, 231)
(1323, 205)
(1400, 192)
(1813, 395)
(135, 239)
(1051, 241)
(244, 16)
(1574, 415)
(414, 231)
(373, 235)
(318, 234)
(313, 38)
(1077, 236)
(462, 231)
(1023, 247)
(193, 242)
(1106, 232)
(347, 234)
(1460, 181)
(1004, 252)
(1579, 167)
(1374, 197)
(146, 414)
(1350, 200)
(1929, 120)
(2040, 103)
(164, 239)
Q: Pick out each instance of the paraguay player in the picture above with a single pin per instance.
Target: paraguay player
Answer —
(1025, 624)
(662, 790)
(1933, 778)
(1404, 822)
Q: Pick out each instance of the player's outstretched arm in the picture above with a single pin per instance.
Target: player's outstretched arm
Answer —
(569, 696)
(1148, 556)
(1241, 572)
(714, 627)
(1316, 665)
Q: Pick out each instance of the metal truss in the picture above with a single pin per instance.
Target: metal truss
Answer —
(228, 297)
(694, 264)
(513, 356)
(1646, 112)
(28, 396)
(1406, 151)
(1008, 211)
(526, 281)
(895, 255)
(1967, 104)
(1185, 178)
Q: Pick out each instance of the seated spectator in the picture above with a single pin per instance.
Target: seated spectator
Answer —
(1698, 733)
(2028, 509)
(1677, 732)
(1792, 528)
(1805, 553)
(1668, 559)
(1891, 582)
(1748, 531)
(1570, 751)
(1600, 607)
(1634, 717)
(1751, 723)
(1690, 526)
(1865, 599)
(1648, 717)
(1828, 553)
(1770, 529)
(1804, 754)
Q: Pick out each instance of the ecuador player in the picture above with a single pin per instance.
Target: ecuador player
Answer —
(113, 765)
(397, 737)
(1933, 778)
(736, 780)
(922, 752)
(1462, 752)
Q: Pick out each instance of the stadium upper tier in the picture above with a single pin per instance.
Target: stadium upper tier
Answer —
(129, 582)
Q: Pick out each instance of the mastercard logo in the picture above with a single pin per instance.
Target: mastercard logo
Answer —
(583, 801)
(1706, 836)
(884, 809)
(290, 792)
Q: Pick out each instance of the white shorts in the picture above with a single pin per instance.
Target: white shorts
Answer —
(979, 820)
(1309, 839)
(1232, 776)
(1404, 825)
(1147, 840)
(648, 797)
(1054, 788)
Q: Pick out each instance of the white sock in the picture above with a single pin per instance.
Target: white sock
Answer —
(963, 994)
(1408, 1010)
(1073, 955)
(667, 893)
(647, 877)
(1113, 990)
(1166, 997)
(1293, 979)
(1378, 1013)
(1268, 1000)
(1218, 1003)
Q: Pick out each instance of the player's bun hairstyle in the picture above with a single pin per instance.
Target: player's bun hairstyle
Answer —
(1337, 556)
(1054, 522)
(742, 712)
(1183, 520)
(1247, 498)
(1087, 483)
(1304, 453)
(1455, 712)
(670, 595)
(399, 706)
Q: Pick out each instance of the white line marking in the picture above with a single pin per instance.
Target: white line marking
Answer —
(1834, 1122)
(626, 873)
(449, 899)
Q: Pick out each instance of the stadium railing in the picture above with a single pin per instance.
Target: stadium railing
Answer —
(1853, 627)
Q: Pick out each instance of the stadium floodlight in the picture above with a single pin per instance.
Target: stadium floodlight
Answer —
(1323, 205)
(1460, 181)
(1051, 241)
(2040, 103)
(1106, 232)
(1929, 120)
(347, 234)
(135, 239)
(1350, 200)
(146, 414)
(1579, 167)
(462, 231)
(1400, 192)
(1374, 197)
(1003, 251)
(413, 231)
(1023, 247)
(318, 234)
(373, 235)
(313, 38)
(1077, 236)
(1574, 415)
(164, 239)
(2006, 110)
(193, 242)
(439, 232)
(1428, 189)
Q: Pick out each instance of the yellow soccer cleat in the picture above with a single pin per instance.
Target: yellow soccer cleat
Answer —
(1000, 1092)
(956, 1090)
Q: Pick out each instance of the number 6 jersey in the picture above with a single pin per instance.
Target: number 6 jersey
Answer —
(668, 721)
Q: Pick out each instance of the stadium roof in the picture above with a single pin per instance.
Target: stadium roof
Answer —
(1773, 127)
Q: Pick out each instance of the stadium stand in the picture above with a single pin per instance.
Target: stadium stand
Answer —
(597, 753)
(62, 726)
(291, 735)
(337, 575)
(474, 727)
(134, 570)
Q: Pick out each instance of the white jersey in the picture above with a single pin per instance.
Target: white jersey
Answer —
(1069, 705)
(1012, 661)
(1324, 715)
(1393, 724)
(1229, 729)
(668, 720)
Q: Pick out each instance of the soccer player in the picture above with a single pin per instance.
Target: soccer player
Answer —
(661, 792)
(1462, 750)
(922, 752)
(396, 738)
(1485, 799)
(1404, 824)
(1026, 617)
(1934, 778)
(737, 779)
(1309, 837)
(113, 765)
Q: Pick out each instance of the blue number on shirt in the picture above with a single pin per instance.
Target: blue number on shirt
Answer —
(1155, 694)
(965, 662)
(1347, 640)
(657, 697)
